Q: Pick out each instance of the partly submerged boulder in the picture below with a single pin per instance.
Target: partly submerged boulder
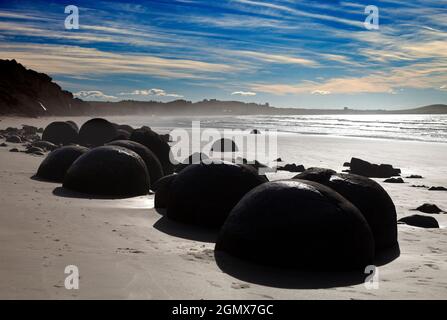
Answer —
(150, 159)
(156, 144)
(60, 132)
(204, 194)
(95, 132)
(109, 171)
(55, 165)
(298, 224)
(421, 221)
(367, 195)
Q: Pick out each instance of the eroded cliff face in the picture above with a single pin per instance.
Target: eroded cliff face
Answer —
(27, 92)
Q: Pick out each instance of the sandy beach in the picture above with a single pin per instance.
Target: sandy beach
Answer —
(124, 249)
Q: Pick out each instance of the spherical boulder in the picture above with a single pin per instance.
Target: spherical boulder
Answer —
(150, 159)
(109, 171)
(55, 165)
(156, 144)
(224, 145)
(95, 132)
(368, 196)
(73, 124)
(298, 224)
(204, 194)
(60, 132)
(162, 188)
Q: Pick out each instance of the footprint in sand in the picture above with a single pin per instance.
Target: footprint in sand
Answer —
(128, 250)
(239, 285)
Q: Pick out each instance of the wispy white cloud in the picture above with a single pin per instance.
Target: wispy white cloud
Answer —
(243, 93)
(151, 92)
(94, 95)
(321, 92)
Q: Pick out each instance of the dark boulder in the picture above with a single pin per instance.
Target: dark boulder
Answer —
(418, 220)
(3, 144)
(437, 189)
(14, 139)
(35, 150)
(150, 159)
(368, 196)
(320, 175)
(394, 180)
(73, 124)
(195, 158)
(125, 127)
(429, 208)
(156, 144)
(109, 171)
(204, 194)
(162, 189)
(414, 176)
(121, 135)
(29, 130)
(292, 167)
(298, 224)
(60, 132)
(255, 131)
(367, 169)
(224, 145)
(45, 145)
(14, 150)
(55, 165)
(95, 132)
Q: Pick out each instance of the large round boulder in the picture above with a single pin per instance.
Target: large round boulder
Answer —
(95, 132)
(204, 194)
(368, 196)
(109, 171)
(60, 132)
(156, 144)
(298, 224)
(162, 189)
(150, 159)
(55, 165)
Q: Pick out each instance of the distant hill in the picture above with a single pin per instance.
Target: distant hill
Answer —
(29, 93)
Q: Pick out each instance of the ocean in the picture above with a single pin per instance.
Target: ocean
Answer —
(429, 128)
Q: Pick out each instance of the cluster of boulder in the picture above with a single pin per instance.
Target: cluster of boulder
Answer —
(103, 158)
(28, 136)
(319, 220)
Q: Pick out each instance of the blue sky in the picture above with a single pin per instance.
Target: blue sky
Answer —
(288, 53)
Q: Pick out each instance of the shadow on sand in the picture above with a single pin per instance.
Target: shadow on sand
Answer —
(292, 279)
(65, 193)
(185, 231)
